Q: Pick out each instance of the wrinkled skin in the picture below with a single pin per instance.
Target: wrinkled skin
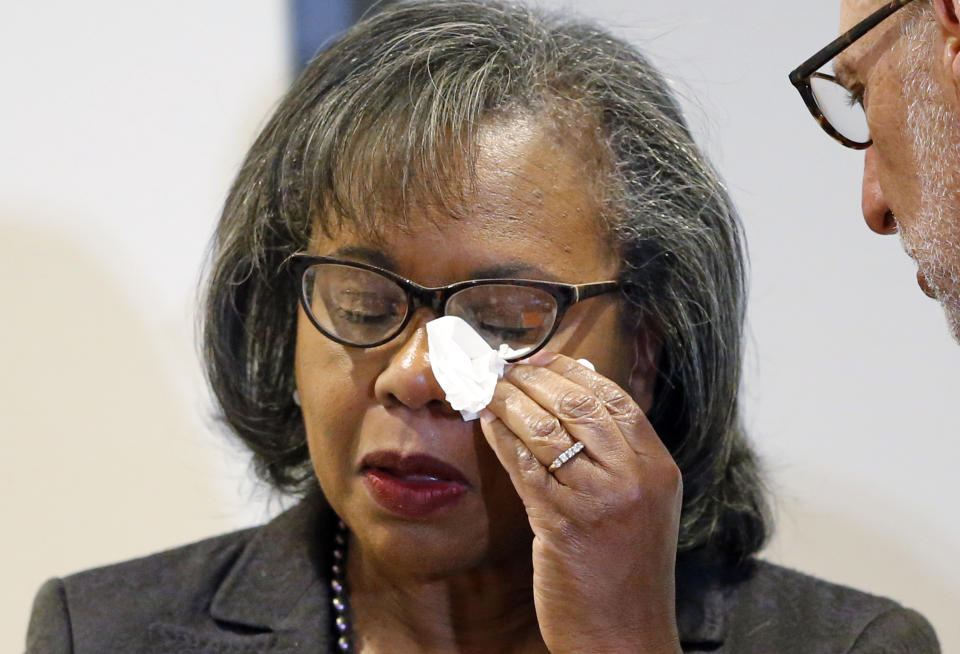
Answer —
(581, 560)
(911, 181)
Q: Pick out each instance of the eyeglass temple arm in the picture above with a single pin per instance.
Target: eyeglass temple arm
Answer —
(836, 46)
(584, 291)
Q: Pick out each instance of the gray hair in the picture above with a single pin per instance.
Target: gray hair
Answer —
(384, 115)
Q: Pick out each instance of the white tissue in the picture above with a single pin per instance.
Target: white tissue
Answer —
(466, 368)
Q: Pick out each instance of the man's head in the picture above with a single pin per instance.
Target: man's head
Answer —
(906, 73)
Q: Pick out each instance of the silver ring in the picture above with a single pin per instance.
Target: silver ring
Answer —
(565, 456)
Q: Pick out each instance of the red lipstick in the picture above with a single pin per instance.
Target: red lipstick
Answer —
(413, 485)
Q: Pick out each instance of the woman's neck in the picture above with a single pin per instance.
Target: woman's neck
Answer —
(486, 609)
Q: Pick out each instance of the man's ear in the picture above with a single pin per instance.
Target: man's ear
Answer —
(643, 374)
(948, 18)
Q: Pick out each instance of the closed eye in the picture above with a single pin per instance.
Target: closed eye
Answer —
(506, 332)
(855, 95)
(361, 317)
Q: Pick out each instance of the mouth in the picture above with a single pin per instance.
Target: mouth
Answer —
(412, 485)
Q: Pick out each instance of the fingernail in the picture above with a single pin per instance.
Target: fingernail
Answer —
(542, 358)
(487, 416)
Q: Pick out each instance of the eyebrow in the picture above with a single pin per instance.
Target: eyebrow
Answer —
(844, 72)
(366, 255)
(514, 269)
(505, 270)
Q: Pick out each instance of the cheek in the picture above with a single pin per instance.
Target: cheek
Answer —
(333, 399)
(892, 137)
(597, 335)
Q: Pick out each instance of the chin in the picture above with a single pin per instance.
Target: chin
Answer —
(444, 546)
(423, 549)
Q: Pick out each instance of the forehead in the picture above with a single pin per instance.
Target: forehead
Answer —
(853, 11)
(534, 198)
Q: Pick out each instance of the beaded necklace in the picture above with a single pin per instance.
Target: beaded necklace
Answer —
(338, 584)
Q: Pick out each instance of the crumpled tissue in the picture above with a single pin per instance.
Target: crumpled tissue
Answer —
(466, 368)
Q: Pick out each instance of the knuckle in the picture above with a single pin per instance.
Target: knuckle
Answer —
(619, 404)
(576, 404)
(565, 365)
(545, 428)
(673, 479)
(626, 411)
(527, 463)
(665, 484)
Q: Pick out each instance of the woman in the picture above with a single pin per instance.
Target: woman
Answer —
(436, 144)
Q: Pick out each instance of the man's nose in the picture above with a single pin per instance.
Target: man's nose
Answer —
(408, 378)
(876, 211)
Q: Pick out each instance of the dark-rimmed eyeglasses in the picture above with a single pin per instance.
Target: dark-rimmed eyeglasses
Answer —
(362, 305)
(839, 112)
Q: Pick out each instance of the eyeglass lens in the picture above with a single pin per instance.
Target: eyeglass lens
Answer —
(362, 307)
(355, 305)
(839, 107)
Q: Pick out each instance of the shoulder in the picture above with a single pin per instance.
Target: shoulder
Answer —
(778, 609)
(128, 596)
(235, 592)
(193, 567)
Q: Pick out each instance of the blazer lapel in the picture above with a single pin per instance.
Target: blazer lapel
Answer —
(704, 593)
(172, 639)
(274, 598)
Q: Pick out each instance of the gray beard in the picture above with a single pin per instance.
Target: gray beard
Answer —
(933, 236)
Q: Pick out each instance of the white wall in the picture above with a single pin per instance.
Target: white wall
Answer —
(121, 127)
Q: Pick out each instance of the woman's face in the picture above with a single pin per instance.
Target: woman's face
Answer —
(533, 214)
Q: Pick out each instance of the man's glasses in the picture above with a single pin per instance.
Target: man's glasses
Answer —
(840, 113)
(362, 305)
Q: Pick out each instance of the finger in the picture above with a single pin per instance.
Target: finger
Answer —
(578, 409)
(529, 476)
(622, 408)
(541, 432)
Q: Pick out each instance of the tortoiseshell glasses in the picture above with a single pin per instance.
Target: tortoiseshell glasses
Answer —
(362, 305)
(839, 112)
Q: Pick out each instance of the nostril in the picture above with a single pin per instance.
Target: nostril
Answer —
(390, 401)
(439, 407)
(890, 225)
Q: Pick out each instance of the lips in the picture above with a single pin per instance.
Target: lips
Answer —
(925, 286)
(413, 485)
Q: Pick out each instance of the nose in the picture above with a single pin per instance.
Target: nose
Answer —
(876, 211)
(408, 378)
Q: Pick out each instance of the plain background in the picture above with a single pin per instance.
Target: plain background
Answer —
(121, 127)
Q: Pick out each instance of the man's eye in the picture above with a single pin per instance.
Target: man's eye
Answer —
(855, 96)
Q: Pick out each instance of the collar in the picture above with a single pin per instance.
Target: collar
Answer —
(282, 568)
(278, 583)
(704, 591)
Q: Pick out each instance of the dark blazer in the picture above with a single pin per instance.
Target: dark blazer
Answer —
(266, 590)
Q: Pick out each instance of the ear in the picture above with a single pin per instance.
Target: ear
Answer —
(643, 374)
(948, 18)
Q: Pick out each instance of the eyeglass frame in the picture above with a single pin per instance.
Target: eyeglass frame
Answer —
(800, 76)
(436, 297)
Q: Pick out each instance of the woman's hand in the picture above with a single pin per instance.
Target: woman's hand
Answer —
(605, 523)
